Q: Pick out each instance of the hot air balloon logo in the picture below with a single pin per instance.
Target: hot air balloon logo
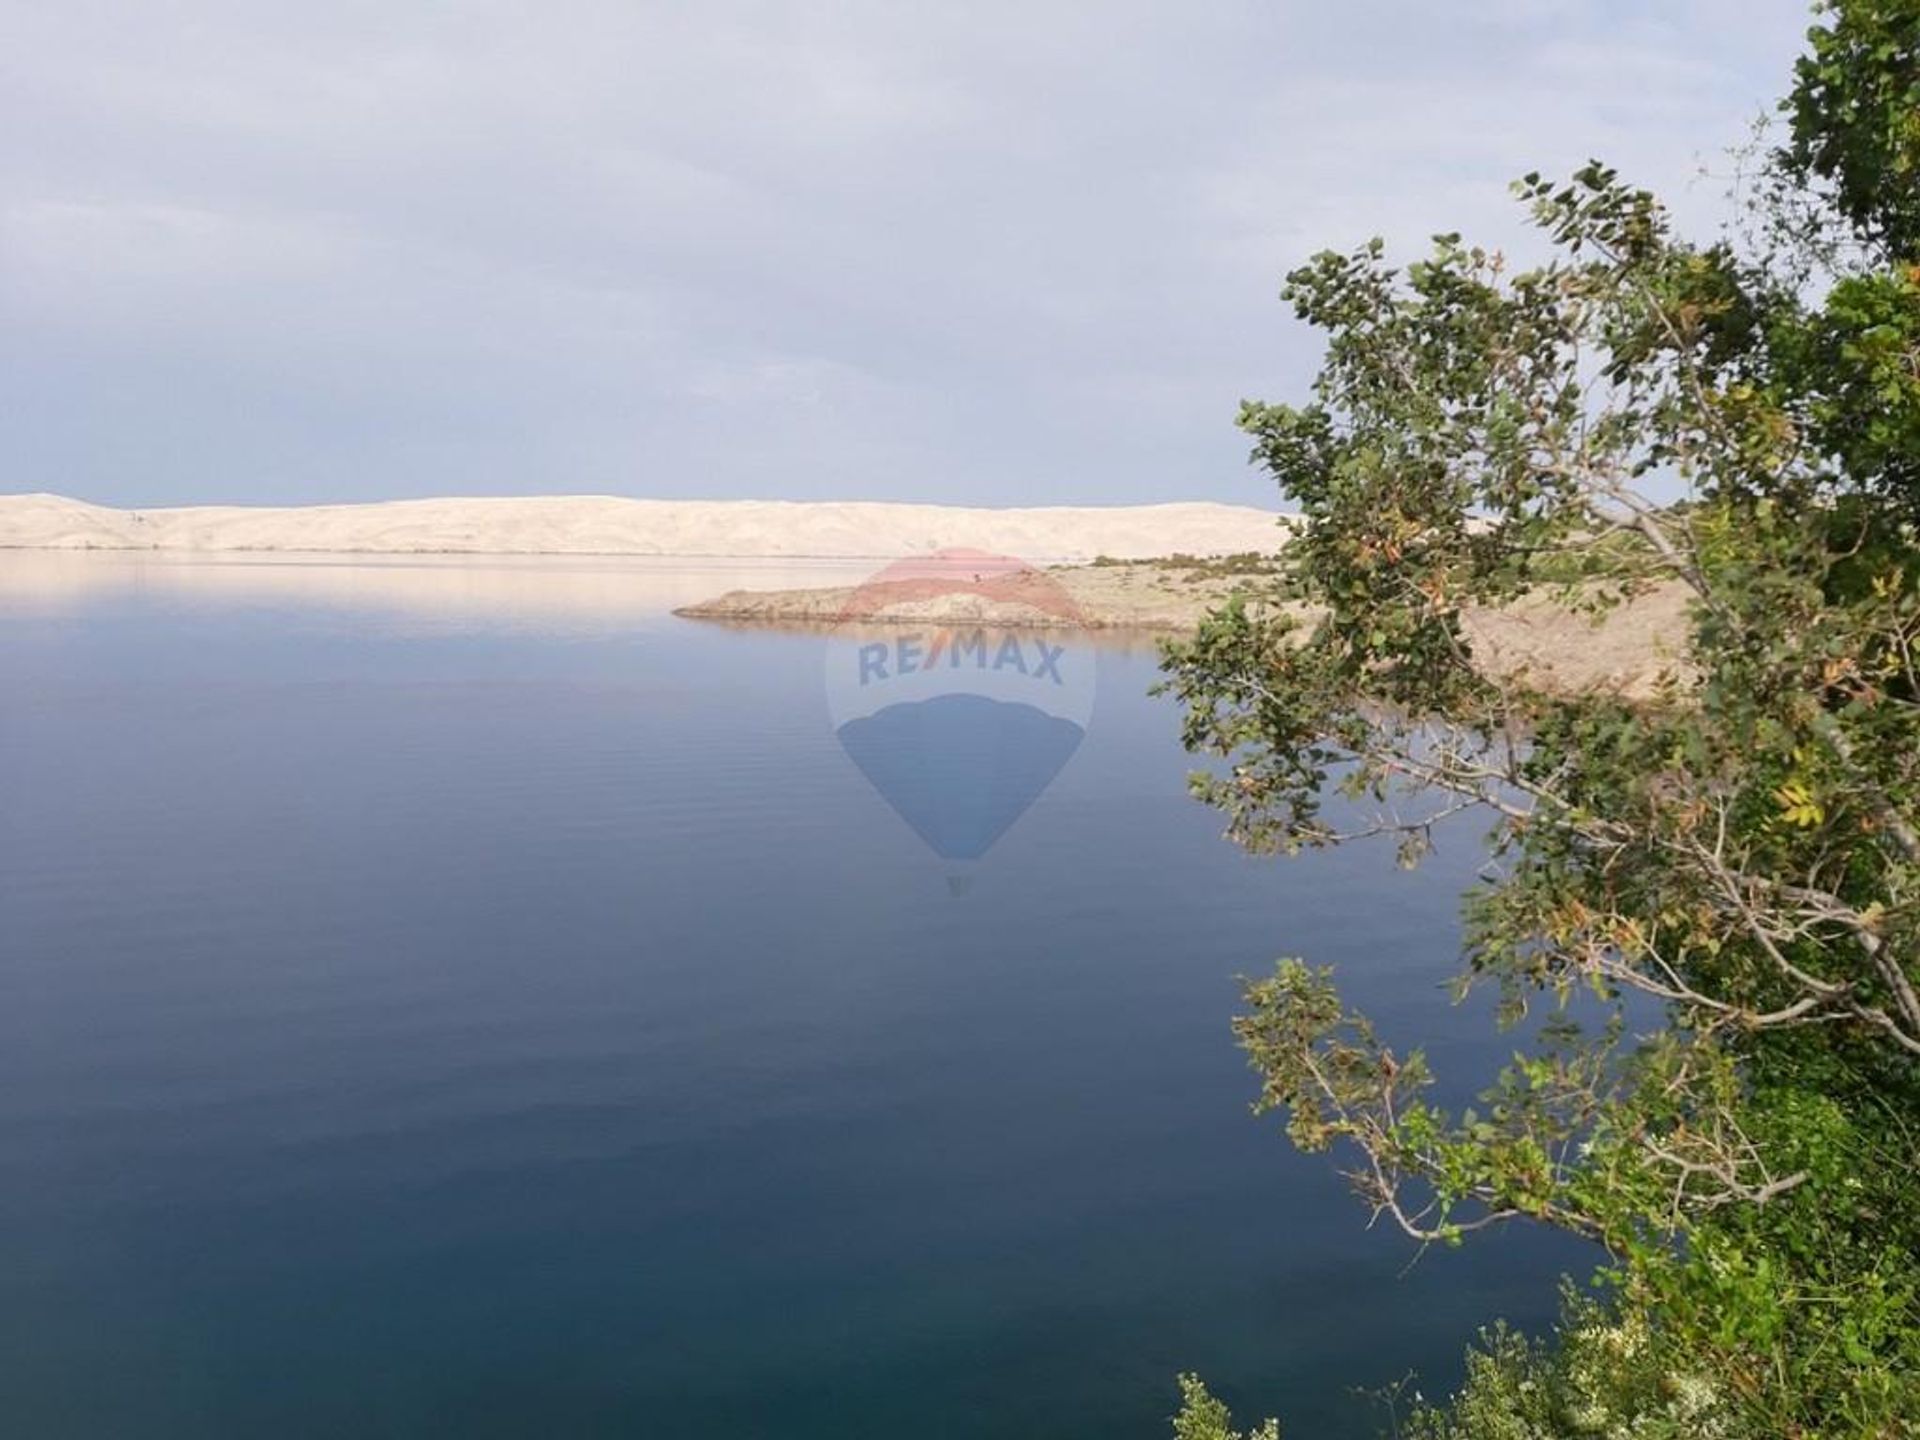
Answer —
(960, 684)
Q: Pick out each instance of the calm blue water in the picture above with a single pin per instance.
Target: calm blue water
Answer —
(455, 1008)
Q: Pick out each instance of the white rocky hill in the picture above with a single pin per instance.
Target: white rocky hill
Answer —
(610, 525)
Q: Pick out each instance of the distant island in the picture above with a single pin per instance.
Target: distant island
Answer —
(613, 525)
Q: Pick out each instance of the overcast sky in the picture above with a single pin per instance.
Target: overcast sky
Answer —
(983, 253)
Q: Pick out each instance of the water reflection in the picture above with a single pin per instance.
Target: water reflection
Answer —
(535, 593)
(593, 593)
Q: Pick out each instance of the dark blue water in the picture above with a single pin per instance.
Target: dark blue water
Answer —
(424, 1025)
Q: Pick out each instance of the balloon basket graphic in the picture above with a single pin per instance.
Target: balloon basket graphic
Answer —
(960, 685)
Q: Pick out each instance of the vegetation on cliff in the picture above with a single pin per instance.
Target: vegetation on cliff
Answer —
(1740, 849)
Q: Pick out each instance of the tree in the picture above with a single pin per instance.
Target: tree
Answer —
(1741, 419)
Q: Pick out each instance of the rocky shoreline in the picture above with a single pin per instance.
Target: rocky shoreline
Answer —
(1626, 650)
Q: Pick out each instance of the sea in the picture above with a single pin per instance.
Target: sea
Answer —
(456, 996)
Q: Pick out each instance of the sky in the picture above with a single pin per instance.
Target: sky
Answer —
(1001, 252)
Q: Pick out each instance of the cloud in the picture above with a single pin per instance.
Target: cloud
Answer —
(1002, 252)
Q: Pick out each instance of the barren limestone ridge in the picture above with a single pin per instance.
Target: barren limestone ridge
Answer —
(1557, 648)
(610, 525)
